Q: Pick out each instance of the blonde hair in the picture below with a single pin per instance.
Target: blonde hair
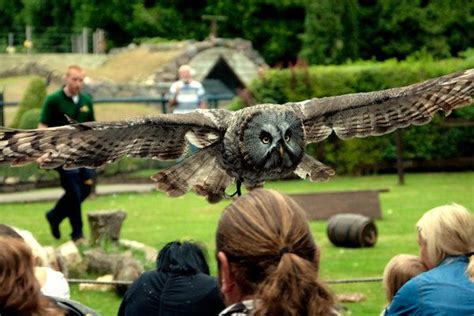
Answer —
(272, 254)
(448, 230)
(399, 270)
(73, 67)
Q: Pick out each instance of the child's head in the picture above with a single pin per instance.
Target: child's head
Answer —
(399, 270)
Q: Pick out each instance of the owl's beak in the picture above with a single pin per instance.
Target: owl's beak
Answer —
(281, 151)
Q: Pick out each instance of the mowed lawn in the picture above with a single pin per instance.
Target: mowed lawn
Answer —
(155, 219)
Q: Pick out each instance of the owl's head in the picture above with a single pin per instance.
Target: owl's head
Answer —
(272, 140)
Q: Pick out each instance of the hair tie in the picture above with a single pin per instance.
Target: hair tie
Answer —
(284, 250)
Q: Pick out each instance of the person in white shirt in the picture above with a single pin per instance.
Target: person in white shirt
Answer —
(186, 94)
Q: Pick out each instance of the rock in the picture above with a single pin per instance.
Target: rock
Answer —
(98, 287)
(40, 254)
(351, 297)
(150, 252)
(69, 254)
(53, 261)
(128, 269)
(99, 261)
(12, 180)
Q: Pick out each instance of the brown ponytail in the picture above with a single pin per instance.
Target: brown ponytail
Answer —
(273, 257)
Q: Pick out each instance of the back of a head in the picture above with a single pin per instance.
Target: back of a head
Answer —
(267, 240)
(8, 231)
(20, 291)
(182, 258)
(399, 270)
(448, 230)
(38, 251)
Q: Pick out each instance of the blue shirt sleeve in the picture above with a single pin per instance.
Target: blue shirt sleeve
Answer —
(406, 301)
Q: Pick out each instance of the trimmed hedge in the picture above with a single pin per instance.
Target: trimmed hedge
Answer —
(30, 119)
(428, 142)
(33, 98)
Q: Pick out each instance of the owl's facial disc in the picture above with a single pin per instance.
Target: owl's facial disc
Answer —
(274, 141)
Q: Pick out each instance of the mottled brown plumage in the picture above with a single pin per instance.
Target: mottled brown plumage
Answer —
(250, 146)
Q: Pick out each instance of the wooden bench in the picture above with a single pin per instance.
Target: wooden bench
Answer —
(323, 205)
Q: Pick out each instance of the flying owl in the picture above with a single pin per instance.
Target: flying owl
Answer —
(249, 146)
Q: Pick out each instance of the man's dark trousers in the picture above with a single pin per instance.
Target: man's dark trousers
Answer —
(69, 205)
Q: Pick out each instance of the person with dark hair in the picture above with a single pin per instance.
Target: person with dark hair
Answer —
(60, 108)
(180, 285)
(268, 260)
(20, 292)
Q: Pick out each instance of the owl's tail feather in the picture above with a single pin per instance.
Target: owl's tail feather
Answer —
(314, 170)
(199, 172)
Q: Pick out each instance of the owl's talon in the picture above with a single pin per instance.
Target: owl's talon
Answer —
(238, 192)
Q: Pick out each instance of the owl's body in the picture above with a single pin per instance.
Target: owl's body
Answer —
(249, 146)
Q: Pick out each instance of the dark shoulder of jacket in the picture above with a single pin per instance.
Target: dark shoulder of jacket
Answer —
(54, 97)
(87, 97)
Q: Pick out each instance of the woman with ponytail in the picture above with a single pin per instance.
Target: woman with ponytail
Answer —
(268, 260)
(446, 240)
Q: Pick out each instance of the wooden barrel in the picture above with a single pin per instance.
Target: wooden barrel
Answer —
(352, 230)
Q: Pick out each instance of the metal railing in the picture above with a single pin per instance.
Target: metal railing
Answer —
(212, 99)
(121, 282)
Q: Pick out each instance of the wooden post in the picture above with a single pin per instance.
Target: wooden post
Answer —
(29, 41)
(85, 40)
(213, 27)
(2, 119)
(400, 170)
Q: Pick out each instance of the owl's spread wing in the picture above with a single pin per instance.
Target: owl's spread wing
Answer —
(381, 112)
(93, 144)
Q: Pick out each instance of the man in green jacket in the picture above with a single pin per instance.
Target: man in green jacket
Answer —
(68, 103)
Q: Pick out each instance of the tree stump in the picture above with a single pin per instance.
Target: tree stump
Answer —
(105, 226)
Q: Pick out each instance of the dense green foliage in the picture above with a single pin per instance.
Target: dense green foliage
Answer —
(33, 98)
(323, 31)
(428, 142)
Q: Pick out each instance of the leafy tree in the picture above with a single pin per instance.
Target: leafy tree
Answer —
(273, 27)
(322, 31)
(51, 22)
(331, 31)
(392, 28)
(9, 17)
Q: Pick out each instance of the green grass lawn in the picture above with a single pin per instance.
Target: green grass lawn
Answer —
(156, 219)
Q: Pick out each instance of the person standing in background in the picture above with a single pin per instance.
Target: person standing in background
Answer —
(186, 94)
(59, 108)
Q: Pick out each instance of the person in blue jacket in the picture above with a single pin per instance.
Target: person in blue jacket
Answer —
(446, 239)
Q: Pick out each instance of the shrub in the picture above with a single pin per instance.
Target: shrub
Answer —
(427, 142)
(30, 119)
(33, 98)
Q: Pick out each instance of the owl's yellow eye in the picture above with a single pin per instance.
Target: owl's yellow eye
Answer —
(265, 138)
(287, 136)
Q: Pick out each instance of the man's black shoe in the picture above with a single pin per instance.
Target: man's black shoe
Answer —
(53, 226)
